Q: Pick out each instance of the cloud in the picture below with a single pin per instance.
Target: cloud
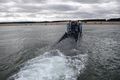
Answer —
(91, 1)
(61, 7)
(32, 1)
(23, 1)
(58, 10)
(4, 1)
(85, 1)
(13, 15)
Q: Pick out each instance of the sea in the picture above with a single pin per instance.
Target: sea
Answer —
(32, 52)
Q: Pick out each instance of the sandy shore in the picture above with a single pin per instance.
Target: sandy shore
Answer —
(102, 23)
(25, 24)
(60, 23)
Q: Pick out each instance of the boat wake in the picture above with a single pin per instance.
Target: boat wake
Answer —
(52, 65)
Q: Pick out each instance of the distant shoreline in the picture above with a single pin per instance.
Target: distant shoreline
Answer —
(63, 23)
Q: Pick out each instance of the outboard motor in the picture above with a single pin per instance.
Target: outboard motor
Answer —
(74, 28)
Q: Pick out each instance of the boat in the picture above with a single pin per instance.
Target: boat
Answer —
(74, 29)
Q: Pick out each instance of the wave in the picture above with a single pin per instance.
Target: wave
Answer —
(52, 65)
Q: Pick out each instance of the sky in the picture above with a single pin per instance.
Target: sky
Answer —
(51, 10)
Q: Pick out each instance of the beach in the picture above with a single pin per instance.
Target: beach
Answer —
(62, 23)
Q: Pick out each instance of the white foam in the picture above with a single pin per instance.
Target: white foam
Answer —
(49, 67)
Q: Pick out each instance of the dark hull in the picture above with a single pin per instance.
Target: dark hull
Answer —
(67, 44)
(74, 36)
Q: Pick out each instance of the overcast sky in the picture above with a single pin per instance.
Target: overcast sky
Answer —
(49, 10)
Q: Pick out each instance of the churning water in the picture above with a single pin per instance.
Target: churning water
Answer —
(26, 53)
(47, 67)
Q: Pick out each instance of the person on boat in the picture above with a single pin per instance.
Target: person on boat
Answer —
(74, 27)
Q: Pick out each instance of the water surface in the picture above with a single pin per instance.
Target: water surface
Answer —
(25, 53)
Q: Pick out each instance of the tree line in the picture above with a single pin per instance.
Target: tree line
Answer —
(22, 22)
